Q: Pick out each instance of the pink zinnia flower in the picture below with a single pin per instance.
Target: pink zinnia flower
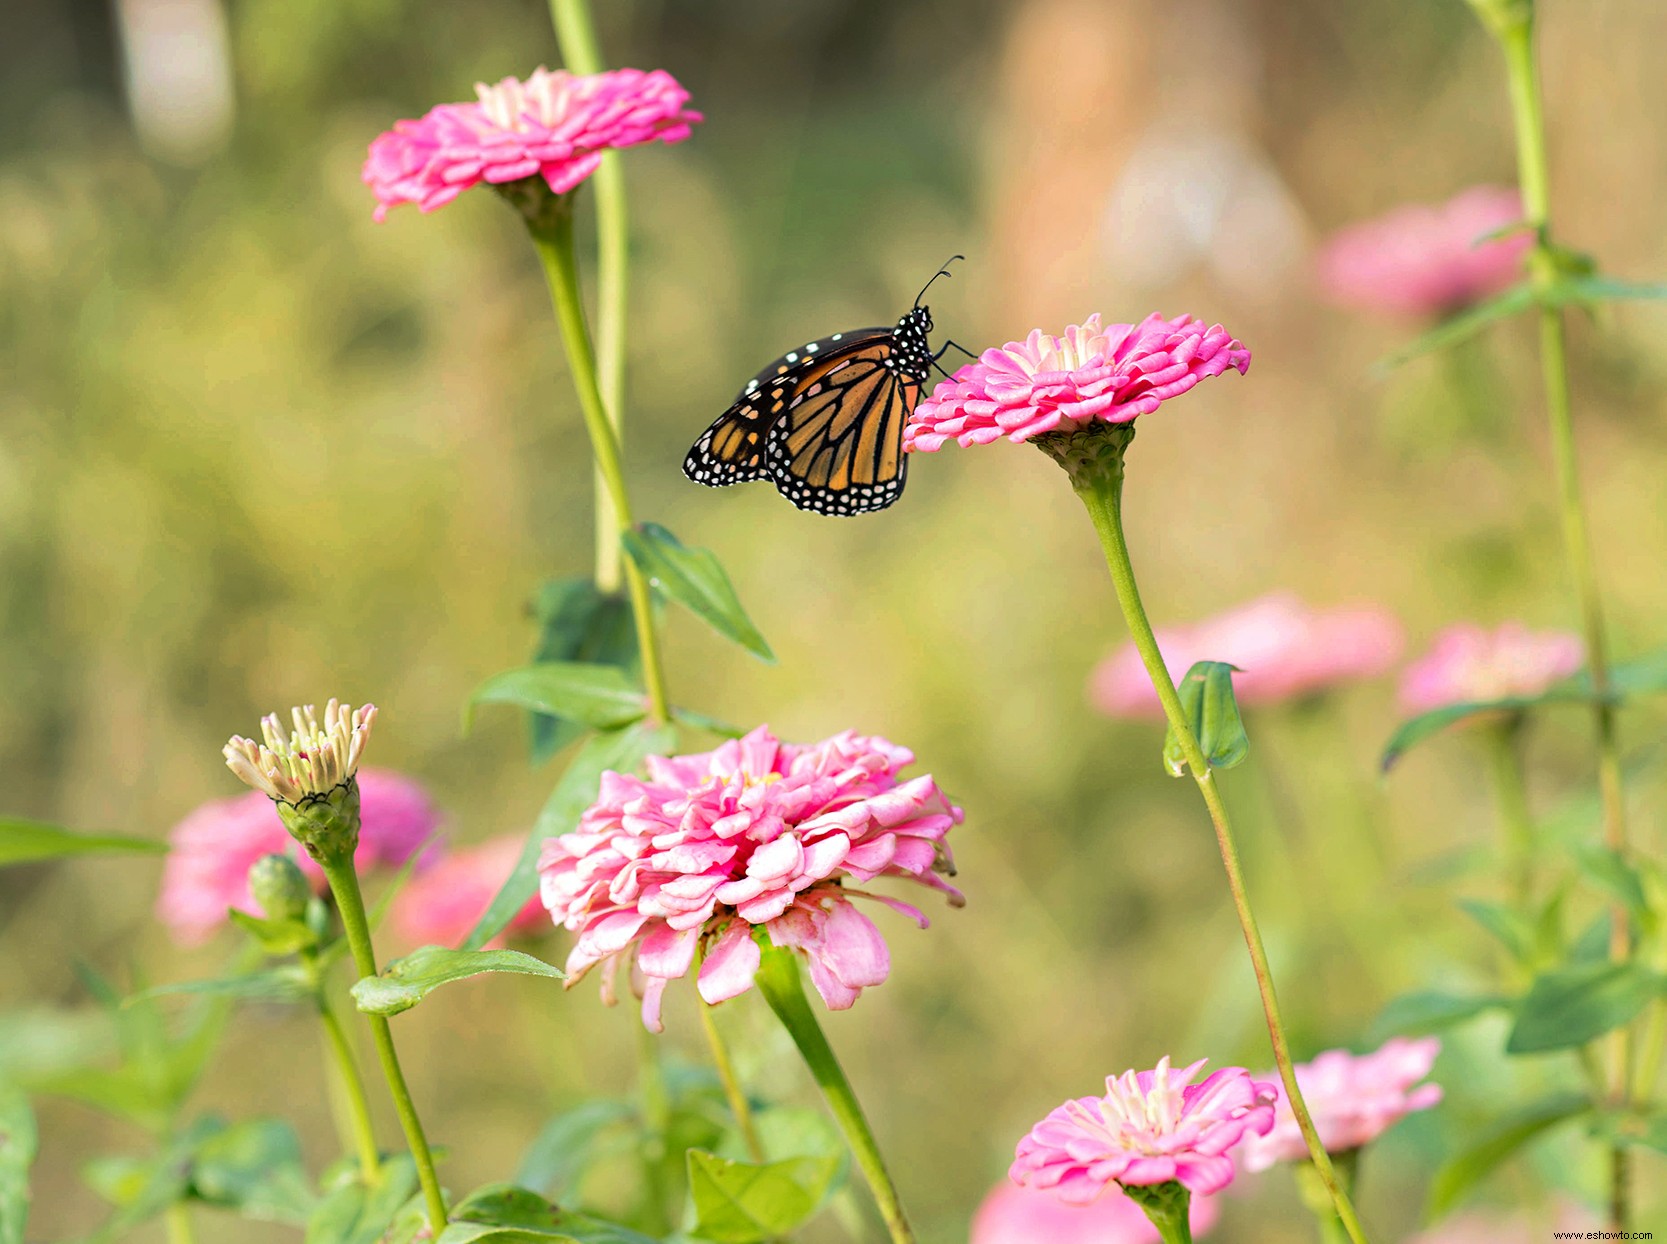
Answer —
(1150, 1127)
(553, 125)
(756, 833)
(1015, 1215)
(441, 906)
(1352, 1098)
(1283, 649)
(1483, 1227)
(1063, 384)
(211, 850)
(1427, 261)
(1469, 663)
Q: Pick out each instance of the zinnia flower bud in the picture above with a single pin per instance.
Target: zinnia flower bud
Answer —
(308, 773)
(279, 887)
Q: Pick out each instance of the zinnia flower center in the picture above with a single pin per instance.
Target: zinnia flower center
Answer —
(1079, 347)
(542, 99)
(1130, 1119)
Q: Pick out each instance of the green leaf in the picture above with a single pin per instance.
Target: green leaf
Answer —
(1508, 925)
(18, 1143)
(601, 696)
(578, 622)
(1414, 1014)
(694, 579)
(622, 752)
(742, 1203)
(1212, 714)
(1608, 871)
(355, 1214)
(1594, 288)
(506, 1214)
(567, 1145)
(255, 1168)
(275, 937)
(24, 842)
(1570, 1006)
(406, 982)
(1592, 946)
(1462, 1172)
(700, 721)
(167, 1181)
(1461, 327)
(285, 983)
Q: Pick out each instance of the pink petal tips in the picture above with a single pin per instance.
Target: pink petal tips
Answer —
(1092, 374)
(758, 834)
(1425, 262)
(1470, 663)
(1151, 1127)
(1353, 1099)
(553, 125)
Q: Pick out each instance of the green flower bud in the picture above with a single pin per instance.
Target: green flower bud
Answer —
(279, 887)
(326, 824)
(308, 772)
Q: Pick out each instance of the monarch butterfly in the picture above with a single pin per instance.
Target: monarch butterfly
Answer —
(824, 422)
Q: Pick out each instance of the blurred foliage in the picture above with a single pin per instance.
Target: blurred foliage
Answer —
(256, 449)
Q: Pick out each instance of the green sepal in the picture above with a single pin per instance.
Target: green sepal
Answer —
(1212, 714)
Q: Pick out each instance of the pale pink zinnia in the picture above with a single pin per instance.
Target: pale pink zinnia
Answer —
(756, 833)
(1284, 650)
(211, 850)
(1353, 1099)
(1015, 1215)
(1468, 663)
(442, 906)
(1092, 374)
(1150, 1127)
(1424, 261)
(553, 125)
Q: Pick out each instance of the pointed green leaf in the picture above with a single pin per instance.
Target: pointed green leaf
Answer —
(18, 1143)
(1212, 713)
(355, 1214)
(568, 1144)
(1461, 1173)
(578, 622)
(1570, 1006)
(255, 1168)
(694, 579)
(1509, 926)
(621, 751)
(24, 842)
(600, 696)
(168, 1181)
(285, 983)
(406, 982)
(743, 1202)
(1606, 869)
(1415, 1014)
(1595, 288)
(506, 1214)
(1461, 327)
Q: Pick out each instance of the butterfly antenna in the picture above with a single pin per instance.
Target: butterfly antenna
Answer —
(943, 271)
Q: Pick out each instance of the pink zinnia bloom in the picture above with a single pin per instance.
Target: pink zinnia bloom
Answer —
(1352, 1098)
(1483, 1227)
(1015, 1215)
(1283, 649)
(1427, 261)
(553, 125)
(441, 906)
(211, 850)
(756, 833)
(1150, 1127)
(1467, 662)
(1063, 384)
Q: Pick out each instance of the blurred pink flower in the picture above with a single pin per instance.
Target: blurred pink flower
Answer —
(1426, 261)
(441, 906)
(1283, 648)
(1483, 1227)
(1062, 384)
(211, 850)
(1353, 1099)
(1015, 1215)
(1149, 1128)
(1467, 662)
(758, 832)
(554, 125)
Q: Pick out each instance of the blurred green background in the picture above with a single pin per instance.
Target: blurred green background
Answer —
(255, 449)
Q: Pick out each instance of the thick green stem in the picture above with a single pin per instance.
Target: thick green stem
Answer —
(577, 36)
(739, 1106)
(1510, 793)
(778, 979)
(178, 1220)
(1094, 461)
(344, 885)
(360, 1133)
(1514, 27)
(554, 239)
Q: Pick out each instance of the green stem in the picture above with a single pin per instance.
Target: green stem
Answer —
(1514, 28)
(778, 979)
(656, 1118)
(344, 885)
(579, 50)
(739, 1106)
(1516, 820)
(554, 239)
(361, 1133)
(1094, 461)
(1317, 1198)
(178, 1219)
(1168, 1207)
